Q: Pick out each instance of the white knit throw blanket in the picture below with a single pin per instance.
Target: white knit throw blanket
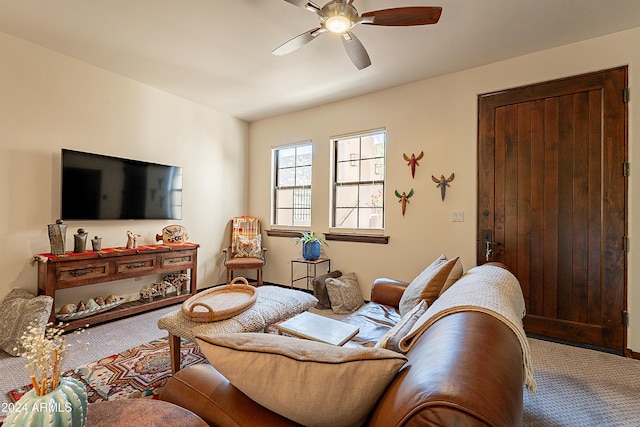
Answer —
(488, 289)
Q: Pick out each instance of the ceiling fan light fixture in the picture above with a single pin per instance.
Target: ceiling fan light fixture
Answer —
(338, 24)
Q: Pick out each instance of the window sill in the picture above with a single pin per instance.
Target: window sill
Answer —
(359, 238)
(283, 233)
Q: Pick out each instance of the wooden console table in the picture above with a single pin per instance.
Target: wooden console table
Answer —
(72, 270)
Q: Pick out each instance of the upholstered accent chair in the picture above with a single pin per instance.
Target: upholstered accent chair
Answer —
(246, 251)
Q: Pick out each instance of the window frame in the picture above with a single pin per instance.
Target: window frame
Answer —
(275, 187)
(342, 231)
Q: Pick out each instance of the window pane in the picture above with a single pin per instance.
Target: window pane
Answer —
(348, 171)
(370, 218)
(371, 196)
(302, 204)
(348, 149)
(286, 157)
(284, 217)
(346, 196)
(372, 170)
(303, 155)
(286, 177)
(346, 218)
(303, 175)
(372, 146)
(302, 217)
(284, 198)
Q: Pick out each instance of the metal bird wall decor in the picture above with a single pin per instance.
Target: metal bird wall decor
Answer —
(413, 162)
(404, 199)
(443, 183)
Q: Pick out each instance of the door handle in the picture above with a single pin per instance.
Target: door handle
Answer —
(489, 248)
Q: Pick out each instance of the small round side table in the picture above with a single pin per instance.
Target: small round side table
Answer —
(140, 413)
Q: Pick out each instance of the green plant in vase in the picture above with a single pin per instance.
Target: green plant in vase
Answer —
(310, 245)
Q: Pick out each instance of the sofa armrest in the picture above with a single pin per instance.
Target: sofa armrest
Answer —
(388, 291)
(204, 391)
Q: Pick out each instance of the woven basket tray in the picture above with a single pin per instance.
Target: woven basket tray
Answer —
(221, 302)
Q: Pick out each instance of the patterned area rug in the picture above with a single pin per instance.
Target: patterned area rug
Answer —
(138, 372)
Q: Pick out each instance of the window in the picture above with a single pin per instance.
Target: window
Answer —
(292, 190)
(358, 193)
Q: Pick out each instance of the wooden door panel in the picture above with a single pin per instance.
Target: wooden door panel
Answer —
(550, 208)
(552, 193)
(538, 187)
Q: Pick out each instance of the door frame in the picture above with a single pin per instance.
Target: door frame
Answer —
(486, 154)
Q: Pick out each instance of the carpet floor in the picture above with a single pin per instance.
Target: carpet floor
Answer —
(579, 387)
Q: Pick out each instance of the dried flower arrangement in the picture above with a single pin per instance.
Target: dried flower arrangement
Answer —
(45, 354)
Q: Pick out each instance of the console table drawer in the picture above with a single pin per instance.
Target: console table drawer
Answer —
(81, 273)
(135, 265)
(177, 260)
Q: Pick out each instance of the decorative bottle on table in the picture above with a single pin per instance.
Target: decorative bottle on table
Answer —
(80, 241)
(96, 244)
(57, 237)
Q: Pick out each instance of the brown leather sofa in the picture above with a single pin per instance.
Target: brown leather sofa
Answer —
(465, 370)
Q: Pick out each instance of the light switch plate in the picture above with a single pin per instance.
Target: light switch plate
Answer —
(457, 216)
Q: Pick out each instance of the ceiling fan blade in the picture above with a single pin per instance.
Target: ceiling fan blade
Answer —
(305, 4)
(298, 41)
(403, 16)
(356, 51)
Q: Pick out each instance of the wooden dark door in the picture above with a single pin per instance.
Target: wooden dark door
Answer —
(552, 196)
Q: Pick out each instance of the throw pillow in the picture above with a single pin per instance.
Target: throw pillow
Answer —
(312, 383)
(456, 273)
(320, 288)
(430, 282)
(17, 293)
(391, 340)
(19, 310)
(249, 248)
(344, 293)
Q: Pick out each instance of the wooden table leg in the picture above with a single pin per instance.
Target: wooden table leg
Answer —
(174, 352)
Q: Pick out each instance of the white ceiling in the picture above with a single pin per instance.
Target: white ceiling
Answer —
(218, 52)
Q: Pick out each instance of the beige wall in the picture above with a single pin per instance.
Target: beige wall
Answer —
(438, 116)
(49, 101)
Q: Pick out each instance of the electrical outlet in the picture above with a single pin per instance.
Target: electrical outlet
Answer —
(457, 216)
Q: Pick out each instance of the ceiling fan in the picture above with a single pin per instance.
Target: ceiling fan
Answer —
(339, 17)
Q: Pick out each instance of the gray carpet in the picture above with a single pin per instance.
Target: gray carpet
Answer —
(576, 387)
(579, 387)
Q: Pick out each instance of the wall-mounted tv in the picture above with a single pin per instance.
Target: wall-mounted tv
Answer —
(95, 186)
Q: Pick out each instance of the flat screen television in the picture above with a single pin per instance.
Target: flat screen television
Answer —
(98, 187)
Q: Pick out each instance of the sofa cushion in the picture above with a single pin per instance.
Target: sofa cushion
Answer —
(428, 285)
(18, 311)
(320, 288)
(391, 340)
(304, 380)
(344, 293)
(373, 320)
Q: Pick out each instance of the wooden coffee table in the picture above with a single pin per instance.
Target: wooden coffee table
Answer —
(318, 328)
